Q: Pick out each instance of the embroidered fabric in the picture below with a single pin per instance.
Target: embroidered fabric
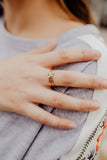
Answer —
(92, 134)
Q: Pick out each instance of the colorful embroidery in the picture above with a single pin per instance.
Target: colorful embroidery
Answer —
(100, 137)
(93, 143)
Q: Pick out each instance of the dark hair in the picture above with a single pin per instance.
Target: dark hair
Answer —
(78, 8)
(1, 8)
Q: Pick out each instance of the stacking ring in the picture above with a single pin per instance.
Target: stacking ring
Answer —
(51, 77)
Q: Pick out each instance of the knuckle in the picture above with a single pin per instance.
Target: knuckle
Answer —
(28, 77)
(81, 106)
(67, 79)
(62, 123)
(31, 59)
(63, 54)
(66, 75)
(58, 101)
(45, 120)
(32, 52)
(59, 123)
(23, 109)
(93, 82)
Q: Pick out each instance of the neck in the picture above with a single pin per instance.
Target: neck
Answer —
(37, 17)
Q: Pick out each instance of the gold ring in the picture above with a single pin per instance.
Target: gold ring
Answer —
(51, 77)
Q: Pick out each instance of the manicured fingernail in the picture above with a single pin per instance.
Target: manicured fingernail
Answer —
(95, 106)
(72, 125)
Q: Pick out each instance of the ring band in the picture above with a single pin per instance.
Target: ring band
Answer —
(51, 77)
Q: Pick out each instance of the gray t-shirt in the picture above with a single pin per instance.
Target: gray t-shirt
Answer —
(24, 138)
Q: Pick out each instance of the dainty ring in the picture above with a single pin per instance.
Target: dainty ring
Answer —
(51, 77)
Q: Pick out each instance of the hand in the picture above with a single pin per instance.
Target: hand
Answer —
(24, 84)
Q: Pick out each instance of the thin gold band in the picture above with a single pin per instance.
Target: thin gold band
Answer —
(51, 77)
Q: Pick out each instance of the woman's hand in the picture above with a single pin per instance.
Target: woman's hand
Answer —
(24, 84)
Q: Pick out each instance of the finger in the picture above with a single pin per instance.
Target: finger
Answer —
(77, 79)
(68, 56)
(46, 48)
(36, 113)
(63, 101)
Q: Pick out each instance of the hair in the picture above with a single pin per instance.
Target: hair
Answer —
(1, 8)
(78, 8)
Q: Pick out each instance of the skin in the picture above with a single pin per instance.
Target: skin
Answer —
(22, 88)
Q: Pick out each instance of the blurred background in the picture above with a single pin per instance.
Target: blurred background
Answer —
(99, 12)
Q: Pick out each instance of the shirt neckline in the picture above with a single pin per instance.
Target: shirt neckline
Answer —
(65, 36)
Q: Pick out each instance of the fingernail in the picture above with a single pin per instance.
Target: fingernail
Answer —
(96, 53)
(95, 106)
(72, 125)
